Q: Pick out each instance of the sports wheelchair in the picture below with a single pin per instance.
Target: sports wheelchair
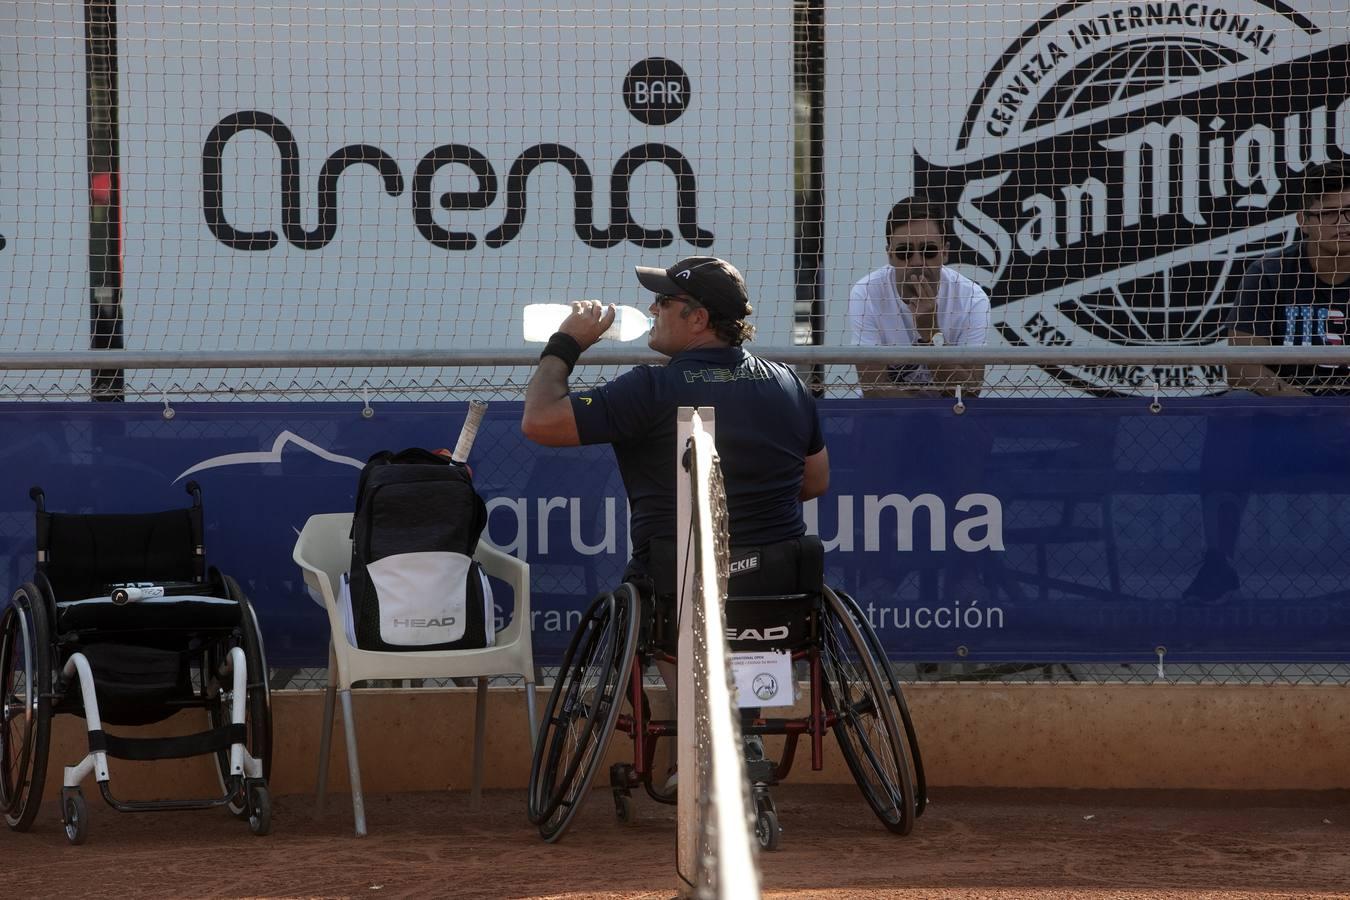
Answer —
(124, 624)
(778, 602)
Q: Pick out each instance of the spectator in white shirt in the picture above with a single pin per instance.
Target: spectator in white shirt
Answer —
(916, 301)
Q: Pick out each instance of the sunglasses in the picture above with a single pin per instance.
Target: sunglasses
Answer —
(928, 252)
(1338, 214)
(664, 300)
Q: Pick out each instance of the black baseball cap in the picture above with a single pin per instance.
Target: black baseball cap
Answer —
(713, 282)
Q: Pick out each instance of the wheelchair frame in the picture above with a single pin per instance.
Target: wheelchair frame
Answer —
(850, 687)
(43, 673)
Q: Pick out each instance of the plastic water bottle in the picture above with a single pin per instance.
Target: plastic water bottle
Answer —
(542, 319)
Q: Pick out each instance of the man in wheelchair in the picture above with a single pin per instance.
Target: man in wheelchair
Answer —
(768, 431)
(773, 457)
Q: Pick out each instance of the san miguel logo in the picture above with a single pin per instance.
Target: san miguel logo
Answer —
(1122, 164)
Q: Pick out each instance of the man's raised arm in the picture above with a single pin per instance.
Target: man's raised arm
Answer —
(548, 418)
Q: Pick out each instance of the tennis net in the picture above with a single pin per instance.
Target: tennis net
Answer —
(716, 855)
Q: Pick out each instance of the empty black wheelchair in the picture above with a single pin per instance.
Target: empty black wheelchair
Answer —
(124, 624)
(779, 603)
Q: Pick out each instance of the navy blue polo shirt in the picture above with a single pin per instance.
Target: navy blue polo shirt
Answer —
(765, 423)
(1282, 299)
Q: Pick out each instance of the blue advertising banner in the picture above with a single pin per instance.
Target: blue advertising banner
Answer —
(1022, 530)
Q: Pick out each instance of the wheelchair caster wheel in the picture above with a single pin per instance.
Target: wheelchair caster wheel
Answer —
(625, 810)
(767, 830)
(622, 777)
(259, 810)
(75, 815)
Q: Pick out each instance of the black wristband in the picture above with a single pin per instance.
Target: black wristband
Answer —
(565, 347)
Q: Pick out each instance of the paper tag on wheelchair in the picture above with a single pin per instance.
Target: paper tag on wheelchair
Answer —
(763, 679)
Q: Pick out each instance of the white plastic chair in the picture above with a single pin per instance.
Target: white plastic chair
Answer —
(323, 552)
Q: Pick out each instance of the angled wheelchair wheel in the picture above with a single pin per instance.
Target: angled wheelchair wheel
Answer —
(258, 704)
(259, 810)
(866, 726)
(896, 696)
(583, 708)
(75, 816)
(768, 833)
(25, 705)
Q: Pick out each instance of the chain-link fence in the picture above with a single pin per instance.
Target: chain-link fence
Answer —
(1117, 520)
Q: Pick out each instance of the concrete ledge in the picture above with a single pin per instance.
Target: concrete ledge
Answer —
(1222, 737)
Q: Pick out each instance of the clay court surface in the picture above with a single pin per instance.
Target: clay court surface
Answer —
(970, 844)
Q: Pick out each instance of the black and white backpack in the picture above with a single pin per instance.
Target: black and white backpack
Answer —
(413, 581)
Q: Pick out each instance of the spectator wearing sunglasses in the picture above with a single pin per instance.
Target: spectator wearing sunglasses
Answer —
(915, 301)
(1300, 296)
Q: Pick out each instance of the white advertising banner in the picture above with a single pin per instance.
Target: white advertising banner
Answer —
(44, 208)
(1109, 168)
(366, 174)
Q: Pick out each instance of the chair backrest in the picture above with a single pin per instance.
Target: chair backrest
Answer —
(80, 555)
(788, 567)
(326, 544)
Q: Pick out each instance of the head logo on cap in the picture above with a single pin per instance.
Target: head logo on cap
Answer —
(713, 282)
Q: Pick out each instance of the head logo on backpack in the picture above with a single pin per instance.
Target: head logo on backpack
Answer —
(414, 584)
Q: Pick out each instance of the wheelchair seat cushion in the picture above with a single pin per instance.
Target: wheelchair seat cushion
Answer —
(179, 613)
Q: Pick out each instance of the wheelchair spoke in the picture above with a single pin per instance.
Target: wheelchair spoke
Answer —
(26, 730)
(17, 710)
(879, 764)
(592, 748)
(866, 706)
(892, 697)
(865, 724)
(583, 707)
(217, 691)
